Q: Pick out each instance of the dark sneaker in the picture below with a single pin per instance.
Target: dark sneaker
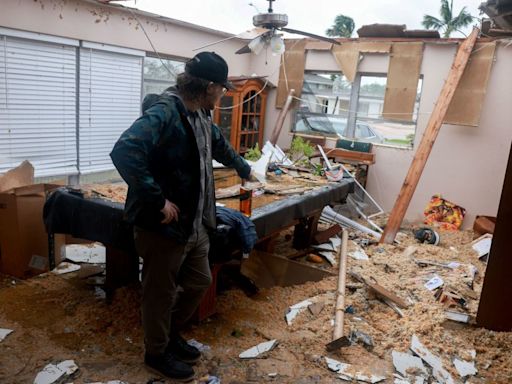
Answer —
(170, 367)
(183, 351)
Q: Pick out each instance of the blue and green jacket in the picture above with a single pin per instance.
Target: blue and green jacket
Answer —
(158, 158)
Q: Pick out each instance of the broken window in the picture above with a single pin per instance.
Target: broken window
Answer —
(160, 74)
(331, 106)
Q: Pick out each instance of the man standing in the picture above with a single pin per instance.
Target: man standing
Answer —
(165, 157)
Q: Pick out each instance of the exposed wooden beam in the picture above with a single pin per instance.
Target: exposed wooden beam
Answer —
(428, 139)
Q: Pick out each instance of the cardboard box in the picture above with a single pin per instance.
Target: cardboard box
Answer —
(23, 238)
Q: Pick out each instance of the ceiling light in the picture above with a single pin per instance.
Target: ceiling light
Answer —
(277, 45)
(256, 45)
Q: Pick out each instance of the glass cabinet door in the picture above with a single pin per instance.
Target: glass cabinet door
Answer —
(250, 123)
(226, 116)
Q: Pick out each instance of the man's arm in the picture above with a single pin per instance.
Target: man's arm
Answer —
(131, 156)
(223, 152)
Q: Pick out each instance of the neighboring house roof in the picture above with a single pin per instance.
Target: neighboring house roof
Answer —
(500, 11)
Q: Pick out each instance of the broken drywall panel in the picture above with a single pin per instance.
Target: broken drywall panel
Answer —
(347, 55)
(65, 267)
(295, 309)
(465, 368)
(329, 256)
(291, 71)
(468, 99)
(86, 253)
(438, 371)
(482, 246)
(258, 350)
(405, 363)
(402, 81)
(434, 283)
(324, 247)
(358, 253)
(349, 372)
(457, 316)
(52, 373)
(4, 332)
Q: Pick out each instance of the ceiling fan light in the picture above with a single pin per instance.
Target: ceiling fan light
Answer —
(256, 45)
(277, 44)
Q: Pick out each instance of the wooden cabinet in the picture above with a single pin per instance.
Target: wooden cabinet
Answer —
(241, 113)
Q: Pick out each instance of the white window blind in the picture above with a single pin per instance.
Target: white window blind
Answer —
(37, 105)
(110, 97)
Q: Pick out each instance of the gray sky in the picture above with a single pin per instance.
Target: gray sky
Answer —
(314, 16)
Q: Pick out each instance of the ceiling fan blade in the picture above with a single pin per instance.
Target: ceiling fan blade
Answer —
(250, 34)
(318, 37)
(253, 33)
(244, 49)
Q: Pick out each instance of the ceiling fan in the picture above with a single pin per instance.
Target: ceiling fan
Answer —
(265, 33)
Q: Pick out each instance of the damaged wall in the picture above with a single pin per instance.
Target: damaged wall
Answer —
(467, 163)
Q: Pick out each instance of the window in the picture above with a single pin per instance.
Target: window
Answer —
(160, 74)
(353, 111)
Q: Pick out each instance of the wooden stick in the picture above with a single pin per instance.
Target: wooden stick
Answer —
(429, 136)
(280, 120)
(340, 300)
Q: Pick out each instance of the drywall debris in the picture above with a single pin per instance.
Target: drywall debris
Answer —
(258, 350)
(65, 267)
(465, 368)
(441, 374)
(295, 309)
(4, 332)
(324, 247)
(405, 363)
(329, 256)
(86, 253)
(359, 254)
(51, 373)
(434, 283)
(349, 372)
(457, 316)
(482, 245)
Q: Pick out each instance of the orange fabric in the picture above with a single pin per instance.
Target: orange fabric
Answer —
(444, 214)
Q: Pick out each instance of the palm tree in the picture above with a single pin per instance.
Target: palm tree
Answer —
(343, 27)
(447, 21)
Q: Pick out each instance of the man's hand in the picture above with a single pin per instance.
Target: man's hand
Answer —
(252, 177)
(170, 211)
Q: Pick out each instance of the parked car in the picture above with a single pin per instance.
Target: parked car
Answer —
(333, 125)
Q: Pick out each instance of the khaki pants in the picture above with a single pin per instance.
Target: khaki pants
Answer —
(174, 279)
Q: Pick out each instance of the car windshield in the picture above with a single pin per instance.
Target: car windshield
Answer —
(324, 124)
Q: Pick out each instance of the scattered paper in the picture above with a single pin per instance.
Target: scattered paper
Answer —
(258, 350)
(441, 374)
(91, 253)
(349, 372)
(295, 309)
(404, 361)
(434, 283)
(4, 332)
(465, 368)
(483, 246)
(52, 373)
(65, 267)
